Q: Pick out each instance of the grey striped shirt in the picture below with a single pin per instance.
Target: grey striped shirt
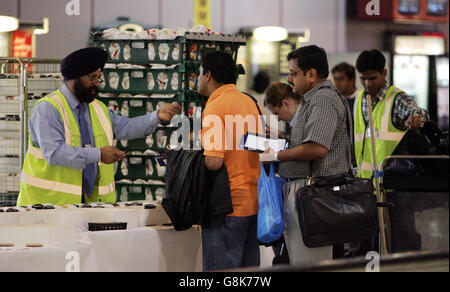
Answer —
(321, 119)
(404, 107)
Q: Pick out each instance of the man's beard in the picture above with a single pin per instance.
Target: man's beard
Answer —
(83, 93)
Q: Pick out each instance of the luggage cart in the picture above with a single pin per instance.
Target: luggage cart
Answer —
(11, 96)
(416, 198)
(22, 82)
(381, 187)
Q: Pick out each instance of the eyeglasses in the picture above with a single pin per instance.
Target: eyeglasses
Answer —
(95, 79)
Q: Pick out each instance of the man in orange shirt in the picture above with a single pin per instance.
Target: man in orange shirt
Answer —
(230, 242)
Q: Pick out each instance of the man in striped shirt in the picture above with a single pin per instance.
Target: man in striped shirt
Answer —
(406, 113)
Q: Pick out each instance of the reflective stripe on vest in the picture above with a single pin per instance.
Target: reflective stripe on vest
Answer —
(104, 121)
(51, 185)
(101, 116)
(102, 190)
(37, 171)
(35, 151)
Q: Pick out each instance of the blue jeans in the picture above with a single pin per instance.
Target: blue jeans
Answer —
(231, 243)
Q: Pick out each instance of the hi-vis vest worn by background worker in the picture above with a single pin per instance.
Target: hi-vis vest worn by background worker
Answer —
(42, 183)
(387, 136)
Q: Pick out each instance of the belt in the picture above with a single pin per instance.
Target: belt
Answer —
(294, 179)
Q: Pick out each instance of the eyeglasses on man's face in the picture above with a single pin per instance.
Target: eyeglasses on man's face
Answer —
(95, 79)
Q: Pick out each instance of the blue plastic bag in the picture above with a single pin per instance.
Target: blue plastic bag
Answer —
(270, 214)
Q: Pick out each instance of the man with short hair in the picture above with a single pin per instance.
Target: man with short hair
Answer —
(344, 76)
(319, 142)
(229, 242)
(70, 154)
(394, 112)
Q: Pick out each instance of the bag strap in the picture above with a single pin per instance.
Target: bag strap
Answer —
(349, 133)
(259, 110)
(349, 126)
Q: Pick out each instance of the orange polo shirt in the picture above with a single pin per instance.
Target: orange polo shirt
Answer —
(221, 139)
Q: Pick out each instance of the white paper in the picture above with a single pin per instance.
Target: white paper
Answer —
(258, 143)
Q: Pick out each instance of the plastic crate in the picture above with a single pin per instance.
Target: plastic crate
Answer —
(182, 49)
(8, 199)
(8, 125)
(157, 141)
(195, 96)
(9, 164)
(148, 81)
(193, 108)
(139, 167)
(181, 81)
(139, 192)
(9, 143)
(135, 107)
(143, 51)
(9, 85)
(10, 105)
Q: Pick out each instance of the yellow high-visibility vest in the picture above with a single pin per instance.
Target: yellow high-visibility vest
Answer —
(42, 183)
(387, 136)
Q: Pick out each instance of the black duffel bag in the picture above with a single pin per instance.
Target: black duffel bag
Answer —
(337, 209)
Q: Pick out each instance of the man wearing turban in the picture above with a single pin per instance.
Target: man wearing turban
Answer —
(70, 153)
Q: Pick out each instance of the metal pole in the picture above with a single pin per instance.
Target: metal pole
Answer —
(23, 109)
(380, 198)
(25, 112)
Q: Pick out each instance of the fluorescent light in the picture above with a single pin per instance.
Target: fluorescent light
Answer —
(270, 33)
(419, 45)
(8, 23)
(131, 27)
(305, 37)
(45, 28)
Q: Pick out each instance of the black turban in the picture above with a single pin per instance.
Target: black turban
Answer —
(83, 62)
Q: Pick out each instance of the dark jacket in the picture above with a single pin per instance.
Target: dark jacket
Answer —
(193, 193)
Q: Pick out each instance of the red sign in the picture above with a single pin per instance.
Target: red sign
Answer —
(375, 9)
(22, 44)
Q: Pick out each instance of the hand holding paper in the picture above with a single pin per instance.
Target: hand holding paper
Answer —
(269, 155)
(268, 147)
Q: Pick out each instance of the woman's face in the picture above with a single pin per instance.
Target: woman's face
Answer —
(284, 111)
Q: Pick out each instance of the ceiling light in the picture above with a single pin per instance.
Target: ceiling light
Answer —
(305, 37)
(45, 28)
(270, 33)
(8, 23)
(131, 27)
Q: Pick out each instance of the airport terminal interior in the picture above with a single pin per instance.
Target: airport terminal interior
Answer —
(106, 165)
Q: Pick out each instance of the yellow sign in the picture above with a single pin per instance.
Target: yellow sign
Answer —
(202, 12)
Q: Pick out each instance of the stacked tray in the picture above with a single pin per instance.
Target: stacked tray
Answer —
(139, 77)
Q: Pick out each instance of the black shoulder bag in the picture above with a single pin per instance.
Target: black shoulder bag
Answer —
(337, 209)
